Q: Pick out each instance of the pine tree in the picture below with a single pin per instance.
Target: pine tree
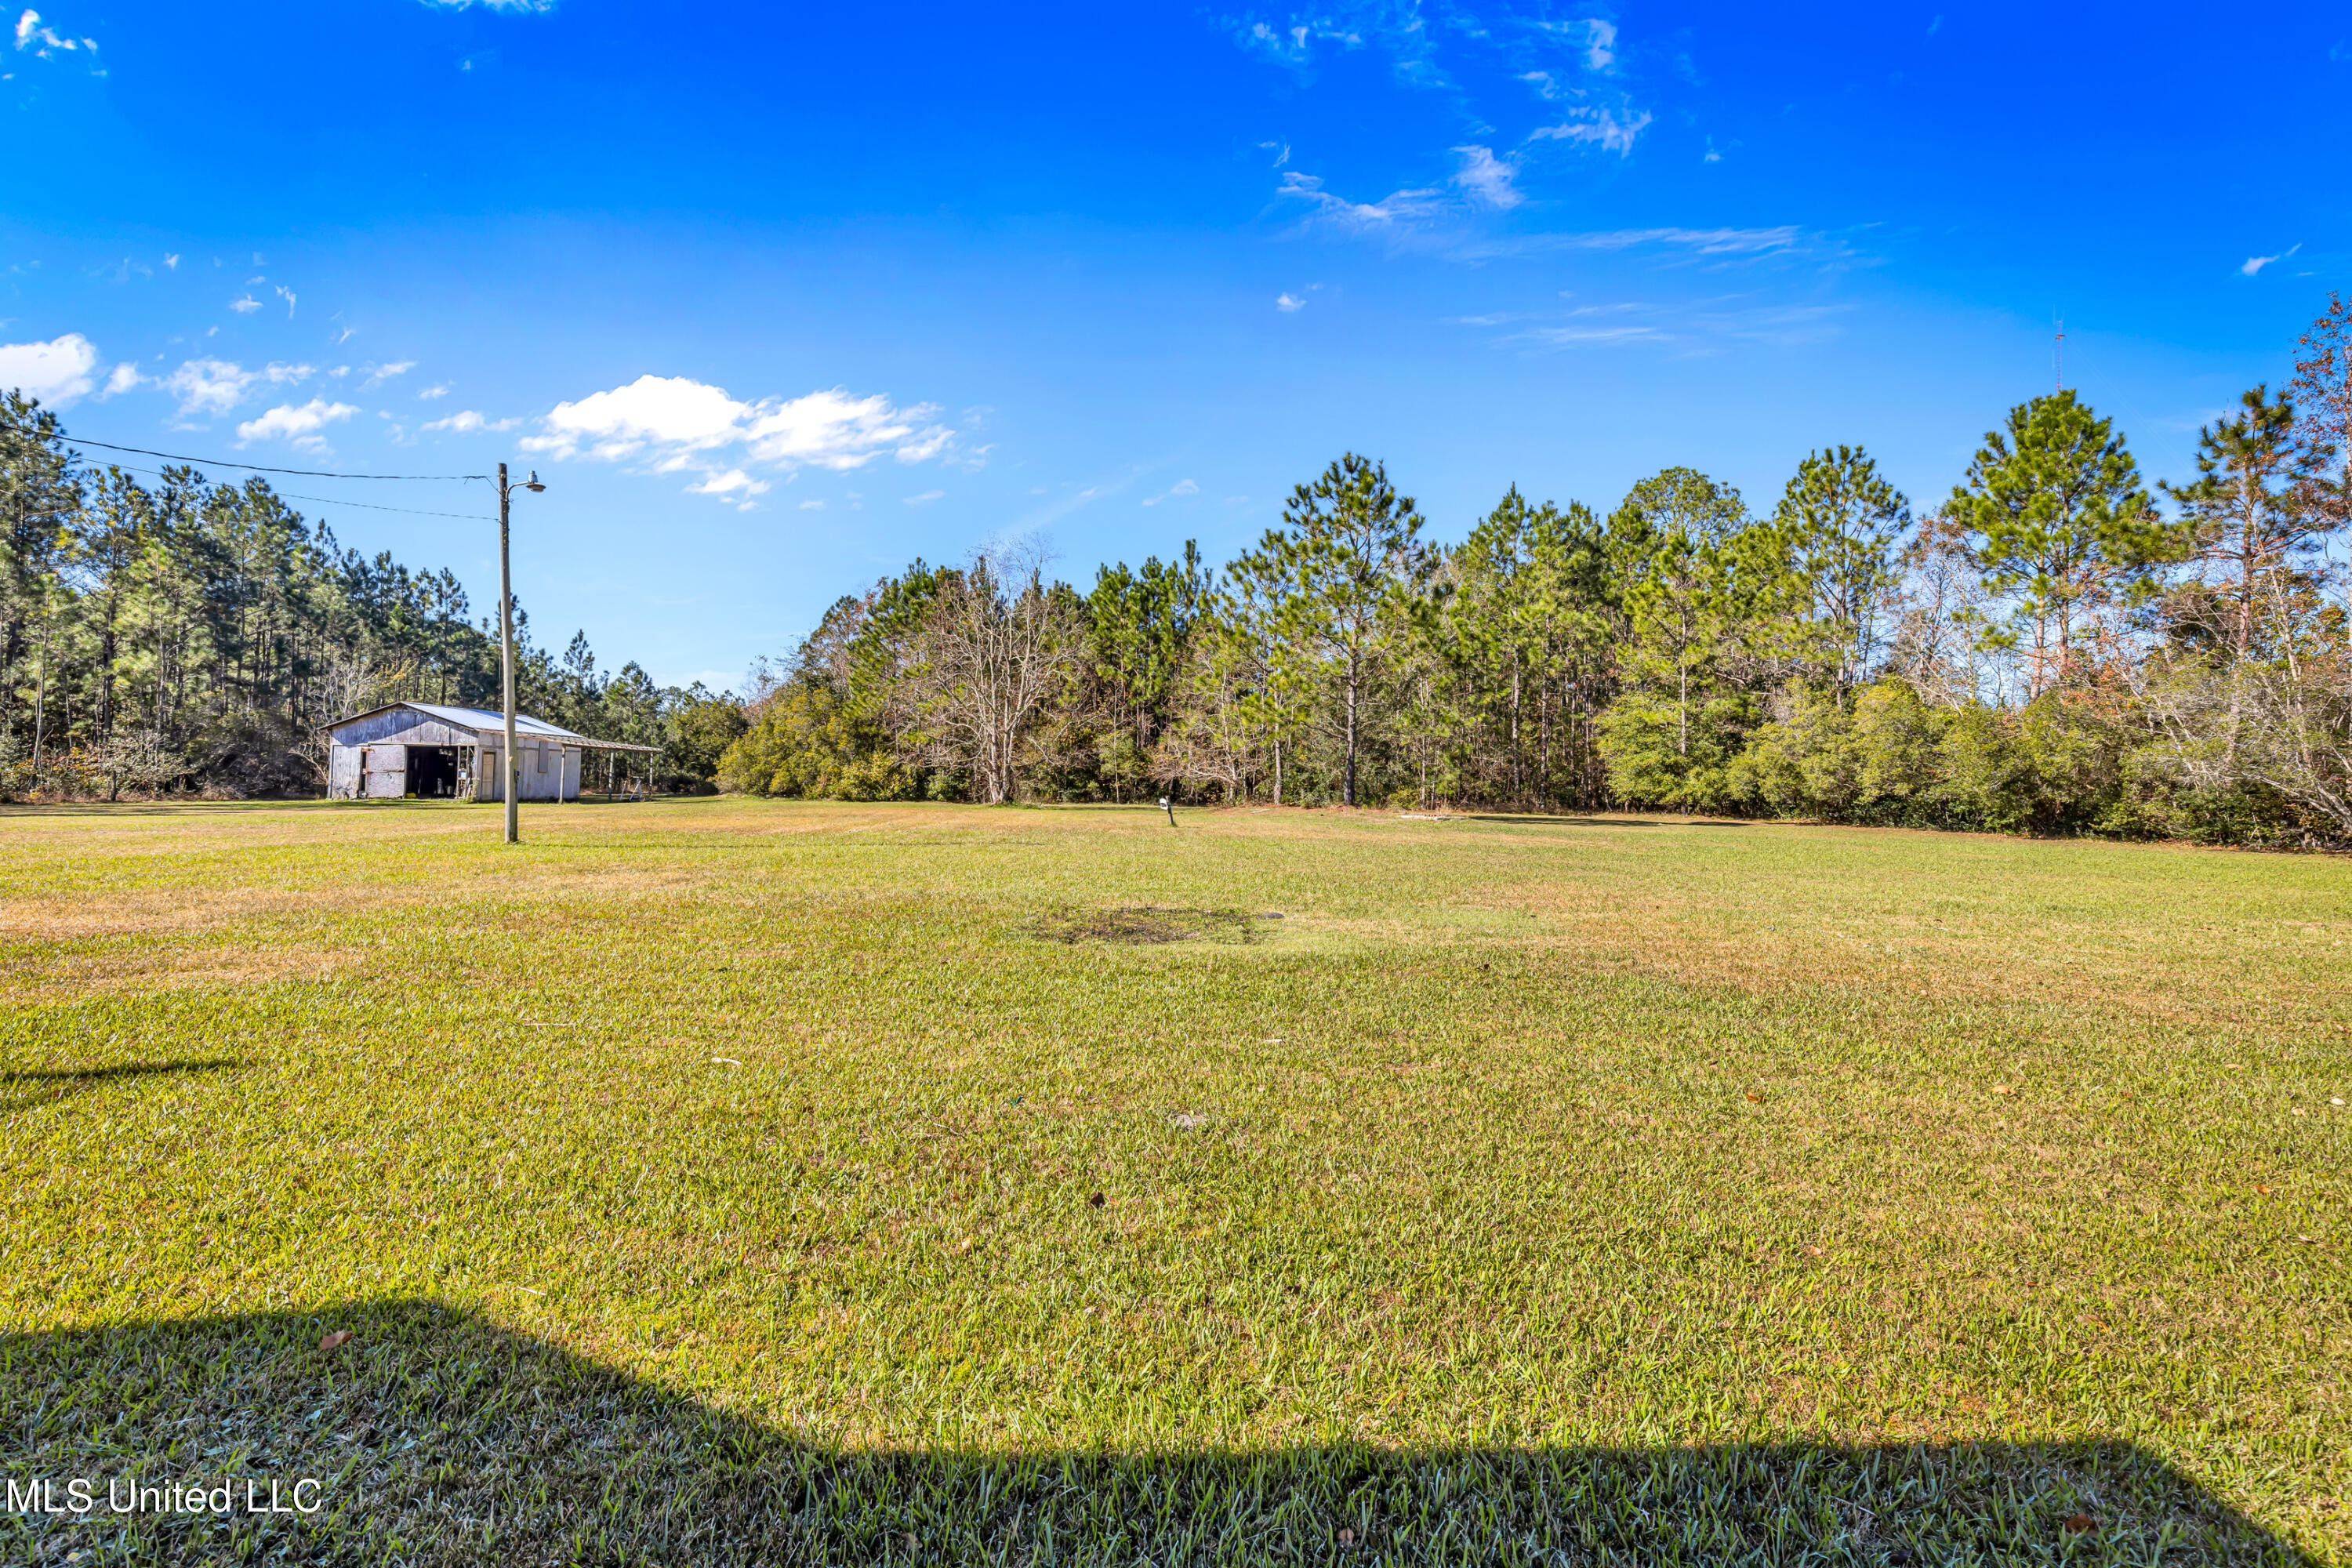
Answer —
(1350, 551)
(2056, 514)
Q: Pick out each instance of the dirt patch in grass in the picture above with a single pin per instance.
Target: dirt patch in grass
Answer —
(1147, 925)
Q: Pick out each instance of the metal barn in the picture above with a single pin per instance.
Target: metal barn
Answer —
(429, 750)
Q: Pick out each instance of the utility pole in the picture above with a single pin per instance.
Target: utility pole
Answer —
(510, 766)
(2059, 353)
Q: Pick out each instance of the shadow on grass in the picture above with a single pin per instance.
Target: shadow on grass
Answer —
(439, 1438)
(23, 1087)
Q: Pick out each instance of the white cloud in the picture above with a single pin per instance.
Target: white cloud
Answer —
(1699, 241)
(124, 378)
(45, 42)
(209, 385)
(1287, 302)
(379, 374)
(55, 371)
(1391, 212)
(673, 425)
(834, 430)
(1180, 488)
(287, 295)
(1698, 328)
(734, 481)
(1599, 43)
(427, 393)
(534, 8)
(299, 426)
(172, 262)
(280, 374)
(1487, 179)
(1396, 27)
(245, 307)
(925, 499)
(812, 506)
(466, 422)
(1601, 128)
(2254, 263)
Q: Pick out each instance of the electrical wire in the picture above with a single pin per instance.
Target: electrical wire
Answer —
(332, 500)
(248, 468)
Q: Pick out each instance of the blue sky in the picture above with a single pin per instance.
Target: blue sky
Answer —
(777, 296)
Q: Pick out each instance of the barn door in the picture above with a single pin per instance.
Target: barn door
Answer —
(383, 773)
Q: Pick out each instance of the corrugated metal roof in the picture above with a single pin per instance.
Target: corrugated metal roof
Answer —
(470, 718)
(491, 718)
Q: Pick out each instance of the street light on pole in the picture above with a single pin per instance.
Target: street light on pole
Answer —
(511, 784)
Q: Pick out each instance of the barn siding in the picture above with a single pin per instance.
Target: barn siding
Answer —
(400, 726)
(536, 785)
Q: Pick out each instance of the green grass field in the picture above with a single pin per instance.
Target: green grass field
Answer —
(723, 1181)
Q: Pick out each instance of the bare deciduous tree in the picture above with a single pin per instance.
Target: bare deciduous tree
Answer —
(994, 657)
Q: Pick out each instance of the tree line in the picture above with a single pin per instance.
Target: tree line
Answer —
(171, 634)
(2057, 645)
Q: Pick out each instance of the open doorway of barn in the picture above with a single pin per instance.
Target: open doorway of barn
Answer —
(432, 771)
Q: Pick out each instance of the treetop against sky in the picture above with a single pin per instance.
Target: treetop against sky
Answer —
(780, 297)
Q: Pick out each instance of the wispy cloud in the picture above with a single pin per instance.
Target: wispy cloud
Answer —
(2254, 263)
(1485, 179)
(1607, 129)
(466, 422)
(1685, 246)
(377, 375)
(1180, 488)
(674, 425)
(46, 43)
(57, 371)
(528, 7)
(1702, 327)
(1287, 302)
(1397, 29)
(734, 485)
(925, 499)
(1390, 214)
(299, 426)
(245, 307)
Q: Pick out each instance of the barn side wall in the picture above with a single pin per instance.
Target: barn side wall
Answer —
(342, 771)
(564, 776)
(402, 726)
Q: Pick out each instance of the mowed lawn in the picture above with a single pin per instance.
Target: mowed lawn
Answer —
(715, 1181)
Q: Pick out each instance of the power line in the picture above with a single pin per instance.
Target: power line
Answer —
(248, 468)
(335, 500)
